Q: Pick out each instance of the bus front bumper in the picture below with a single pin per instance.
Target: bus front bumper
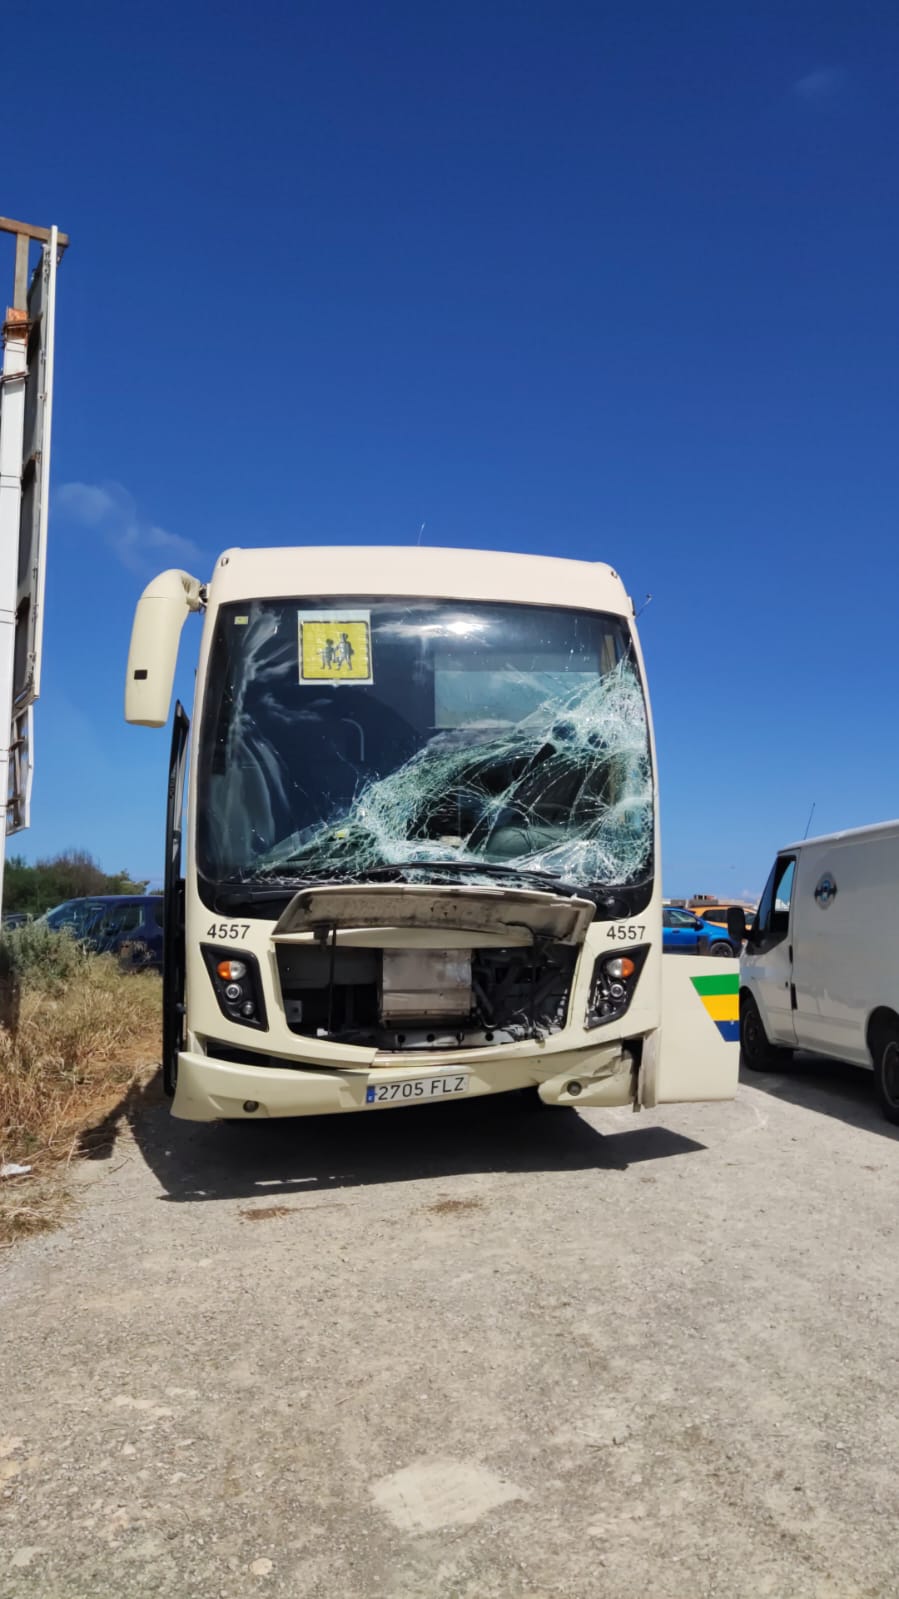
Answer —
(213, 1090)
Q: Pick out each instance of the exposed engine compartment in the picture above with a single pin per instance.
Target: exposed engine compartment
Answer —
(407, 999)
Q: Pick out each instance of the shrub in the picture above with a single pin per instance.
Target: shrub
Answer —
(84, 1028)
(35, 954)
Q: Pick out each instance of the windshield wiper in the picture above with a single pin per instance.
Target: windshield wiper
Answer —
(232, 897)
(397, 870)
(482, 868)
(279, 883)
(612, 900)
(291, 872)
(264, 888)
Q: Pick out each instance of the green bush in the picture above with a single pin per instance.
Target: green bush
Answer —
(36, 956)
(72, 875)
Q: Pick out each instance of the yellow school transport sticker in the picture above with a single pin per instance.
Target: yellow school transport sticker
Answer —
(335, 647)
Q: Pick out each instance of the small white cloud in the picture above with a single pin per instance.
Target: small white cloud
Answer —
(821, 84)
(109, 509)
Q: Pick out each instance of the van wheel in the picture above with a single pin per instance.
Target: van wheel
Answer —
(885, 1054)
(755, 1050)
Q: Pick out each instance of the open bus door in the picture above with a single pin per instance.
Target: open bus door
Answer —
(695, 1053)
(173, 949)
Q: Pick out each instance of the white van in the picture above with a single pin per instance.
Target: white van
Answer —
(820, 970)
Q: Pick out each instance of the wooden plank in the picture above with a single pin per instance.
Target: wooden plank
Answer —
(20, 291)
(7, 225)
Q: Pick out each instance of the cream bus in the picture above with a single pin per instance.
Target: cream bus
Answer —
(421, 850)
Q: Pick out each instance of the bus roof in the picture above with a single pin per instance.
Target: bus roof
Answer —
(410, 571)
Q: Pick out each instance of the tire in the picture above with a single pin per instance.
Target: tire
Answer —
(885, 1056)
(755, 1050)
(722, 949)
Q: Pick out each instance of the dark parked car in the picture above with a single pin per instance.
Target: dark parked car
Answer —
(106, 923)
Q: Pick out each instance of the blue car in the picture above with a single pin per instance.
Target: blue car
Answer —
(686, 934)
(105, 923)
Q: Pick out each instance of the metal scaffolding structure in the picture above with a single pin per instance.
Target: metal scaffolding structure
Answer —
(26, 410)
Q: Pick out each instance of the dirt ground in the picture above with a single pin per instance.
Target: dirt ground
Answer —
(463, 1352)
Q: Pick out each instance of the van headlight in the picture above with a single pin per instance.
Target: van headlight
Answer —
(614, 981)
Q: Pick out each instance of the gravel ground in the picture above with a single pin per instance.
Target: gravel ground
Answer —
(464, 1352)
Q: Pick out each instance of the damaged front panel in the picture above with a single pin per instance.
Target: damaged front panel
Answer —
(425, 999)
(411, 967)
(512, 914)
(425, 985)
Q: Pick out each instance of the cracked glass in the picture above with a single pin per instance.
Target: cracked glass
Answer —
(492, 741)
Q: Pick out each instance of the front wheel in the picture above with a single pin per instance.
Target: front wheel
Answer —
(758, 1054)
(885, 1054)
(722, 949)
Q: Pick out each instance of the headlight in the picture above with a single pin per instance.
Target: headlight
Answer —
(237, 985)
(612, 988)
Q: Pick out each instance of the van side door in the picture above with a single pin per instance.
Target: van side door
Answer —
(844, 948)
(767, 968)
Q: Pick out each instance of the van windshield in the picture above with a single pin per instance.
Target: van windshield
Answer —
(340, 737)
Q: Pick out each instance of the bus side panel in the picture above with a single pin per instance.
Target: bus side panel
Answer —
(695, 1054)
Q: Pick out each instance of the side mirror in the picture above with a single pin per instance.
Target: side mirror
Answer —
(736, 923)
(697, 923)
(161, 613)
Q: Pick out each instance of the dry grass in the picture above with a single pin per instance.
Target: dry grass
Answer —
(82, 1034)
(268, 1212)
(451, 1207)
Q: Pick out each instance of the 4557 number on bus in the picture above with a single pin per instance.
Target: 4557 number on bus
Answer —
(228, 931)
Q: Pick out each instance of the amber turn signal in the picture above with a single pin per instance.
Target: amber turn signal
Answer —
(622, 967)
(231, 971)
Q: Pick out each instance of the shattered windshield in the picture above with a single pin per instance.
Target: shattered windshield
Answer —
(343, 737)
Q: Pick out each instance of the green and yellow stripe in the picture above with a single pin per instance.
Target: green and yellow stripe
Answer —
(721, 998)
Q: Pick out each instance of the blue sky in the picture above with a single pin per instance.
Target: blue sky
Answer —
(614, 282)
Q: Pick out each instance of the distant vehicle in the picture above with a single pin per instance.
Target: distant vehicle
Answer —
(718, 914)
(106, 923)
(819, 968)
(75, 914)
(686, 934)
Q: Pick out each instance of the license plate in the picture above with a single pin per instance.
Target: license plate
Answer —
(417, 1090)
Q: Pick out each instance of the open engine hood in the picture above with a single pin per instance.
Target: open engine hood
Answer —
(525, 914)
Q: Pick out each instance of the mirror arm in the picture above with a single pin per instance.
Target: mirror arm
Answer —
(162, 610)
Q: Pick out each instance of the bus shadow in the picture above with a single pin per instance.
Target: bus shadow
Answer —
(830, 1087)
(194, 1162)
